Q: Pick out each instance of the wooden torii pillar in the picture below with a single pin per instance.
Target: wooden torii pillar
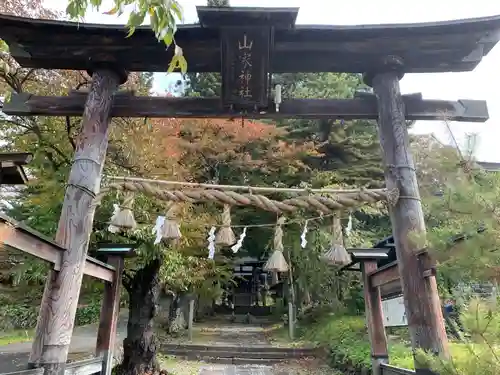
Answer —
(423, 308)
(60, 298)
(367, 261)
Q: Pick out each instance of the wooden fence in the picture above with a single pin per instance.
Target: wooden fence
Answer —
(85, 367)
(393, 370)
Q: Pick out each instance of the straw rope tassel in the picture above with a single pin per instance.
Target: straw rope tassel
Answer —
(116, 211)
(171, 228)
(225, 236)
(277, 261)
(124, 217)
(337, 254)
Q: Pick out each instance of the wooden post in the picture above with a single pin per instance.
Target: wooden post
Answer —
(423, 308)
(291, 321)
(191, 318)
(57, 313)
(110, 311)
(374, 319)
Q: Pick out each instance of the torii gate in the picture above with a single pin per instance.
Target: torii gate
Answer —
(383, 53)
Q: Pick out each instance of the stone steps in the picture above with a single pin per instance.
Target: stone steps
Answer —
(260, 355)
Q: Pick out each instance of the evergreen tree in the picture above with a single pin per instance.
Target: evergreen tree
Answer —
(348, 151)
(460, 205)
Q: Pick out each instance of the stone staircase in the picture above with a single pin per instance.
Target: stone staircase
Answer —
(238, 355)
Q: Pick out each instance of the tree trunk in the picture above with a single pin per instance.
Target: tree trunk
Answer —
(139, 348)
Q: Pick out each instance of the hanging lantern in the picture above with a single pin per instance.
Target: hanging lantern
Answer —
(225, 236)
(277, 262)
(123, 217)
(337, 254)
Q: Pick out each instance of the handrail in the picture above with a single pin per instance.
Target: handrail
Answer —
(85, 367)
(393, 370)
(35, 371)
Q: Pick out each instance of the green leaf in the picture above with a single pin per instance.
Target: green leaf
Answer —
(183, 66)
(176, 9)
(168, 39)
(136, 19)
(174, 64)
(4, 47)
(131, 31)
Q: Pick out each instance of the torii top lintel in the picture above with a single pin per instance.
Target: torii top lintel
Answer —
(449, 46)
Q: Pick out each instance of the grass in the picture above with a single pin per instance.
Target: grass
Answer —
(17, 336)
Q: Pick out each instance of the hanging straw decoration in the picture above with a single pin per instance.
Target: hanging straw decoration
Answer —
(348, 229)
(171, 228)
(211, 243)
(225, 236)
(238, 244)
(303, 238)
(277, 262)
(124, 218)
(337, 254)
(111, 227)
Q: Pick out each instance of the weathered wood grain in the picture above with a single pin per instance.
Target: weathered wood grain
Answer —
(374, 318)
(431, 47)
(358, 108)
(110, 309)
(425, 320)
(22, 238)
(384, 275)
(390, 290)
(60, 299)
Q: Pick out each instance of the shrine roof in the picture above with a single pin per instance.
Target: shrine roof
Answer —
(448, 46)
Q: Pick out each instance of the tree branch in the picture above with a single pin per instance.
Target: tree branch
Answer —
(27, 76)
(68, 132)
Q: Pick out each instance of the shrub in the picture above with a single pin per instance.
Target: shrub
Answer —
(346, 337)
(18, 317)
(481, 355)
(25, 317)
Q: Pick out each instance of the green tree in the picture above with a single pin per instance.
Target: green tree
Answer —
(345, 154)
(206, 84)
(460, 204)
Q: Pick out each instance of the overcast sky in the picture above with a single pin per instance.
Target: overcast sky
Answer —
(479, 84)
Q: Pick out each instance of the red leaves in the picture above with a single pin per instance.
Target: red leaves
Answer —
(220, 135)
